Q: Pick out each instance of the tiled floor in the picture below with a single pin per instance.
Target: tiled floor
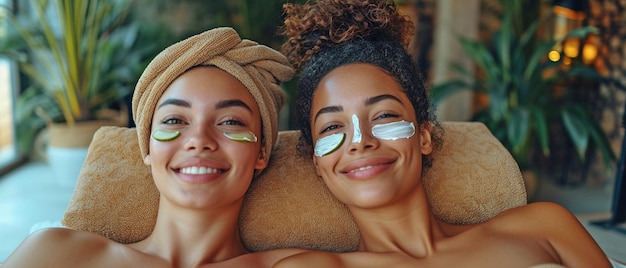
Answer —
(30, 195)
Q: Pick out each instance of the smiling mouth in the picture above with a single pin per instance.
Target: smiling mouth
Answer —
(200, 170)
(363, 168)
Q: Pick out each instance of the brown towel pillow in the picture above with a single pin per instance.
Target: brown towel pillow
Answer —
(473, 178)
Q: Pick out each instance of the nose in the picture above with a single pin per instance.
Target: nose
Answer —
(367, 142)
(201, 138)
(361, 139)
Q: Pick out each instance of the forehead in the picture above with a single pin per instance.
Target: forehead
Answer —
(208, 84)
(356, 80)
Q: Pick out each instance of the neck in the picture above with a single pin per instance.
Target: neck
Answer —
(407, 225)
(189, 237)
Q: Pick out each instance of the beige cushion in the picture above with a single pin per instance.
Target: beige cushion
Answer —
(472, 179)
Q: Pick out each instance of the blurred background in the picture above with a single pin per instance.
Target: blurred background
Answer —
(547, 76)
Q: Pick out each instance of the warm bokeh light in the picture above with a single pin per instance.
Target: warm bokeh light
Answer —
(567, 61)
(590, 53)
(571, 47)
(590, 49)
(554, 55)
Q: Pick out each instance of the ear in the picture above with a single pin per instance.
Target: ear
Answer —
(315, 164)
(261, 161)
(147, 160)
(426, 144)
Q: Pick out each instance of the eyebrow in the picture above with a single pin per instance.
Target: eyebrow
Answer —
(329, 109)
(220, 105)
(380, 98)
(232, 103)
(368, 102)
(177, 102)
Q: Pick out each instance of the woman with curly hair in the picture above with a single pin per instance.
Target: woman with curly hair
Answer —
(367, 121)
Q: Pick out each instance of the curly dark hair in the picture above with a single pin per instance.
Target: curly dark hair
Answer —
(311, 27)
(327, 34)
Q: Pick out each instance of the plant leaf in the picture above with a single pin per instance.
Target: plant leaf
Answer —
(502, 42)
(479, 53)
(540, 124)
(577, 129)
(518, 128)
(442, 90)
(601, 141)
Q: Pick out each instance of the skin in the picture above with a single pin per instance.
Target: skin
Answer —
(197, 222)
(379, 181)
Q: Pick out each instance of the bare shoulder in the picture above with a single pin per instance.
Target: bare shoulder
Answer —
(557, 227)
(538, 219)
(538, 213)
(61, 247)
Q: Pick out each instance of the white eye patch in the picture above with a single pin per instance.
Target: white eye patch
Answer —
(244, 136)
(389, 131)
(329, 144)
(356, 136)
(394, 130)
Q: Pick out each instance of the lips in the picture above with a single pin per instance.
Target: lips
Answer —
(361, 169)
(200, 170)
(366, 168)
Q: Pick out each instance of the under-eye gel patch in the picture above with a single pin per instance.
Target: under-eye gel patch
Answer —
(329, 144)
(244, 136)
(356, 136)
(165, 135)
(394, 130)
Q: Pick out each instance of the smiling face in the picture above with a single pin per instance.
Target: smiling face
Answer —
(208, 163)
(370, 171)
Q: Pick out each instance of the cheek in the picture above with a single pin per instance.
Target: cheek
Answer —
(159, 151)
(413, 154)
(325, 165)
(240, 151)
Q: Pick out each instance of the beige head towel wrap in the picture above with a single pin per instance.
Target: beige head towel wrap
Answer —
(258, 67)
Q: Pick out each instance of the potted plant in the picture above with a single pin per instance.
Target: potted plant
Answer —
(81, 60)
(520, 87)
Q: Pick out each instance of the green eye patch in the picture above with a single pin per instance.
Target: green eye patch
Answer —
(245, 136)
(165, 135)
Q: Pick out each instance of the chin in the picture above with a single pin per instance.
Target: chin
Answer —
(371, 200)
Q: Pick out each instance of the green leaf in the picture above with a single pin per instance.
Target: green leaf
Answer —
(442, 90)
(498, 102)
(528, 34)
(534, 61)
(577, 129)
(540, 124)
(582, 32)
(479, 53)
(601, 141)
(518, 130)
(502, 44)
